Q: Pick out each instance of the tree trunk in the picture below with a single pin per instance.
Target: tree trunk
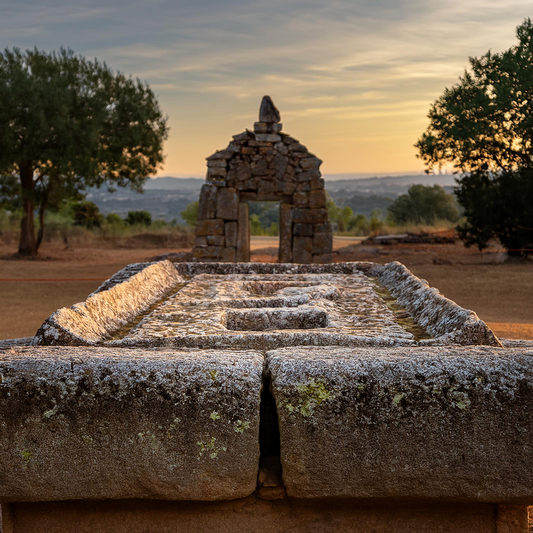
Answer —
(42, 207)
(27, 243)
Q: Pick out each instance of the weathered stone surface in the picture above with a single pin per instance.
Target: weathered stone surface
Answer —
(268, 137)
(285, 233)
(207, 203)
(96, 423)
(243, 233)
(317, 198)
(322, 259)
(228, 254)
(310, 163)
(280, 163)
(322, 243)
(228, 204)
(300, 199)
(216, 163)
(221, 154)
(303, 230)
(210, 227)
(105, 312)
(268, 112)
(216, 173)
(261, 165)
(302, 249)
(443, 318)
(230, 232)
(215, 240)
(421, 423)
(208, 253)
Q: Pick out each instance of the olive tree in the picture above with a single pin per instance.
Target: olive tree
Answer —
(68, 123)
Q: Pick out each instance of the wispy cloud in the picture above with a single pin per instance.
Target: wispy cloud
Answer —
(351, 70)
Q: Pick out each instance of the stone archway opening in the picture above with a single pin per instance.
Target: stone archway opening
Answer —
(263, 165)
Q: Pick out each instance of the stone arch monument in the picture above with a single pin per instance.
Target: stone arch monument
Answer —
(265, 164)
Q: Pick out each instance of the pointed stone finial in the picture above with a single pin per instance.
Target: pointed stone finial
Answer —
(268, 112)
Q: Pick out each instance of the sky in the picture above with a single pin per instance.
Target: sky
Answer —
(353, 79)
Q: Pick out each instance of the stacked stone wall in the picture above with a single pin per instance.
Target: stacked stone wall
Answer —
(265, 164)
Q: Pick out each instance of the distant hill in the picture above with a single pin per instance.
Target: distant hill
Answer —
(167, 196)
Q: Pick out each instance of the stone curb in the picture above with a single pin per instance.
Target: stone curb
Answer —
(107, 310)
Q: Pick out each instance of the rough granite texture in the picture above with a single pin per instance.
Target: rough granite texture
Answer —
(94, 423)
(448, 423)
(271, 310)
(105, 311)
(444, 319)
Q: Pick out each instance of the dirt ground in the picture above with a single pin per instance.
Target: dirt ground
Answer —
(501, 293)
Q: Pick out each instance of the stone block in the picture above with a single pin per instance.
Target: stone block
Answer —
(217, 163)
(243, 233)
(285, 233)
(304, 186)
(300, 199)
(227, 204)
(230, 233)
(322, 259)
(259, 143)
(105, 312)
(200, 241)
(216, 173)
(210, 227)
(281, 148)
(246, 150)
(322, 243)
(302, 249)
(324, 227)
(310, 216)
(208, 253)
(434, 423)
(228, 254)
(244, 172)
(279, 164)
(266, 187)
(317, 199)
(244, 136)
(317, 183)
(215, 240)
(296, 147)
(262, 127)
(309, 175)
(303, 230)
(268, 137)
(259, 167)
(310, 163)
(208, 202)
(123, 424)
(221, 154)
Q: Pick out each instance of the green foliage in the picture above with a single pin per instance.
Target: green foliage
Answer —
(114, 219)
(485, 122)
(498, 206)
(138, 218)
(67, 123)
(87, 214)
(484, 127)
(190, 213)
(424, 204)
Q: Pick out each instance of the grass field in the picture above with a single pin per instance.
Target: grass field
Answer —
(500, 293)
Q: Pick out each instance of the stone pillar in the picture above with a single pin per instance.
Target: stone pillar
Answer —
(243, 233)
(285, 233)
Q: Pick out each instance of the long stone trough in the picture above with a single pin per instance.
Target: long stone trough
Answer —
(272, 397)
